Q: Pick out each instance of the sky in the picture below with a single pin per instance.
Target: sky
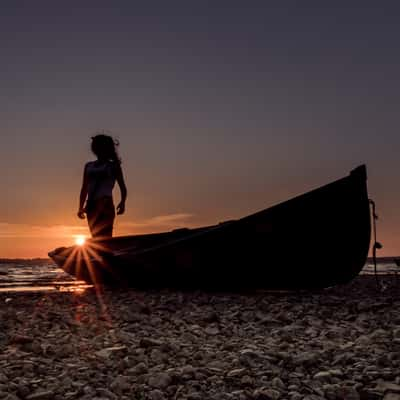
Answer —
(222, 108)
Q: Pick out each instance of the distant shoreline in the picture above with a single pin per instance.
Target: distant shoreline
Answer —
(41, 260)
(33, 261)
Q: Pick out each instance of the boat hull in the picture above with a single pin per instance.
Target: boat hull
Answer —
(316, 240)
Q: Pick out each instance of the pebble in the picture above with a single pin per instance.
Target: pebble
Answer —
(323, 376)
(160, 381)
(266, 394)
(109, 351)
(338, 344)
(156, 395)
(392, 396)
(40, 395)
(236, 372)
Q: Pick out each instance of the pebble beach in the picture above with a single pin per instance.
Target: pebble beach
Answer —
(339, 343)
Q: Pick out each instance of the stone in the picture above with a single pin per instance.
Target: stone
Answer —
(234, 373)
(188, 370)
(347, 393)
(11, 396)
(120, 384)
(23, 390)
(246, 381)
(278, 383)
(307, 359)
(139, 369)
(323, 376)
(105, 393)
(21, 339)
(212, 331)
(266, 394)
(156, 394)
(384, 387)
(396, 333)
(41, 395)
(3, 378)
(392, 396)
(149, 342)
(110, 351)
(160, 381)
(369, 394)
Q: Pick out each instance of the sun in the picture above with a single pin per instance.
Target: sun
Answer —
(80, 240)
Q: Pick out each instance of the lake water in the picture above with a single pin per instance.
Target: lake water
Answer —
(43, 276)
(46, 276)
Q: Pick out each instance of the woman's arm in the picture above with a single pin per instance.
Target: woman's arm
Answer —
(83, 194)
(121, 182)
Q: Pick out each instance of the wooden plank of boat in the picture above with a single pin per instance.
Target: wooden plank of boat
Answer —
(315, 240)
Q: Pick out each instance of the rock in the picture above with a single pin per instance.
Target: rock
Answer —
(217, 365)
(89, 391)
(41, 395)
(197, 345)
(120, 384)
(392, 396)
(323, 376)
(23, 390)
(249, 357)
(246, 381)
(105, 393)
(109, 351)
(306, 359)
(21, 339)
(212, 331)
(378, 334)
(396, 333)
(188, 370)
(139, 369)
(266, 394)
(157, 356)
(211, 317)
(11, 396)
(347, 393)
(278, 383)
(194, 396)
(384, 387)
(363, 340)
(234, 373)
(160, 381)
(369, 394)
(156, 395)
(149, 342)
(330, 391)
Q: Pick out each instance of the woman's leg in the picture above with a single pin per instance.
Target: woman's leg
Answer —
(101, 218)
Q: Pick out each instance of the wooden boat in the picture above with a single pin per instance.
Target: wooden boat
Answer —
(316, 240)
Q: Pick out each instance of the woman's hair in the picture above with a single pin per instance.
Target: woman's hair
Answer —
(105, 146)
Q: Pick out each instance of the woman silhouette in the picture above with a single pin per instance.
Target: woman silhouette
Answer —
(98, 182)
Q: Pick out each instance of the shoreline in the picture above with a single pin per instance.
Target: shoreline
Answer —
(338, 343)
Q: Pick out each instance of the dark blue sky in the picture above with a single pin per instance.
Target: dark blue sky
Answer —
(222, 108)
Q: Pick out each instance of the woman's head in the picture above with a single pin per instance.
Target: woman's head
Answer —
(104, 147)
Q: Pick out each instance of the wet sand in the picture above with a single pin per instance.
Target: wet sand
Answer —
(340, 343)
